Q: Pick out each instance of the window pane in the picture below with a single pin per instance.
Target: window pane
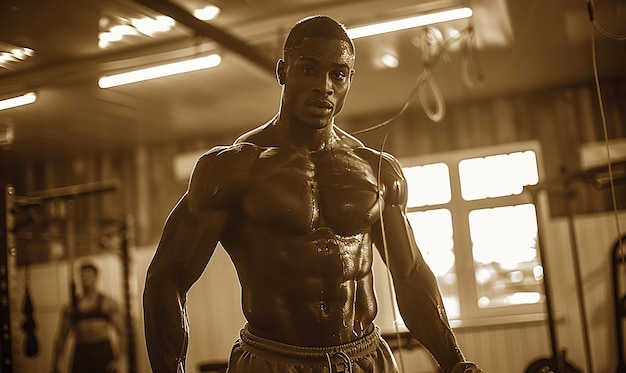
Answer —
(507, 268)
(433, 234)
(497, 175)
(428, 185)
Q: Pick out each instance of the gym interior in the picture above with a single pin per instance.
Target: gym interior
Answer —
(509, 122)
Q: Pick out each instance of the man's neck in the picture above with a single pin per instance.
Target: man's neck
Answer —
(303, 136)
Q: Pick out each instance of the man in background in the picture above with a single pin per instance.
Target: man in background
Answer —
(299, 205)
(91, 319)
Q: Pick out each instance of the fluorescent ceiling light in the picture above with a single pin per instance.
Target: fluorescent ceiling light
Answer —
(25, 99)
(207, 13)
(174, 68)
(411, 22)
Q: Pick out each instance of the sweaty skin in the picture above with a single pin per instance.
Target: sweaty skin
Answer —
(297, 205)
(306, 218)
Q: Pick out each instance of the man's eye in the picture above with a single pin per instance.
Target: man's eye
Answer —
(308, 70)
(340, 75)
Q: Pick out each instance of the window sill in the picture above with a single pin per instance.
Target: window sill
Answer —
(491, 321)
(502, 320)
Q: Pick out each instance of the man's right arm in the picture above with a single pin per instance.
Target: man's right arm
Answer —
(65, 326)
(188, 241)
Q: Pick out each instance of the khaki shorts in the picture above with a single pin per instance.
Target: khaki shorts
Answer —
(253, 354)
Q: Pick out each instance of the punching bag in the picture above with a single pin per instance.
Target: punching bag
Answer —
(31, 347)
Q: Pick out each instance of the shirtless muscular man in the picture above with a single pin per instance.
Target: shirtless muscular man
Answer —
(298, 203)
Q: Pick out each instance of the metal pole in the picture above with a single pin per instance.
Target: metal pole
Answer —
(7, 246)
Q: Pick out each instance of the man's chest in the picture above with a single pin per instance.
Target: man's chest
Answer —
(297, 192)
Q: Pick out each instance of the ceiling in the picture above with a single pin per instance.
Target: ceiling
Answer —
(517, 46)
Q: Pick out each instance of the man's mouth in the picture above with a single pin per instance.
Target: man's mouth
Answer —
(322, 104)
(321, 107)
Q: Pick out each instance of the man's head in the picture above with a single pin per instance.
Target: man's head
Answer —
(316, 26)
(88, 275)
(316, 71)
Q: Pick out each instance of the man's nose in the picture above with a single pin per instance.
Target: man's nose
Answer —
(324, 84)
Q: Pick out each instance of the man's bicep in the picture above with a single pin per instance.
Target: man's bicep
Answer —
(397, 245)
(187, 243)
(393, 235)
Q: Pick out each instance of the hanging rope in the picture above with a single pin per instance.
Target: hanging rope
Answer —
(423, 81)
(605, 130)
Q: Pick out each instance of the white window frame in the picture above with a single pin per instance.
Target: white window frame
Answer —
(459, 208)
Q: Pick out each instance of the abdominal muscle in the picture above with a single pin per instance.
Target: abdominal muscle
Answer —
(91, 331)
(312, 290)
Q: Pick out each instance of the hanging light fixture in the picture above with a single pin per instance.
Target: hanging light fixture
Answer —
(410, 22)
(160, 71)
(24, 99)
(208, 13)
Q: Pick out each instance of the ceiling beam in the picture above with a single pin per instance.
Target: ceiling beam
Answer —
(202, 28)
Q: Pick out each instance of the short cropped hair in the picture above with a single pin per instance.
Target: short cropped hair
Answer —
(316, 26)
(89, 266)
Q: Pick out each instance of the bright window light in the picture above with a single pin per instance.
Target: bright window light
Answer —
(504, 235)
(411, 22)
(428, 184)
(482, 250)
(160, 71)
(434, 237)
(497, 175)
(25, 99)
(506, 262)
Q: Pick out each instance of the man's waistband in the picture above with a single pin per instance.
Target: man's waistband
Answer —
(354, 350)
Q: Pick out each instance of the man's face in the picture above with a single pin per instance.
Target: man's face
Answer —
(88, 278)
(316, 77)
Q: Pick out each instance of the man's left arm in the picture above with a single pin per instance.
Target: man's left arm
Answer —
(417, 292)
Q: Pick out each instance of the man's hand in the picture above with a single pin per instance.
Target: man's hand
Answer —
(466, 367)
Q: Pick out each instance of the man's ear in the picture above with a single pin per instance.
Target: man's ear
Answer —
(280, 71)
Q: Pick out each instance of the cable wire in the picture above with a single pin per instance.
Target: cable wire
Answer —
(422, 79)
(606, 141)
(392, 297)
(592, 18)
(471, 68)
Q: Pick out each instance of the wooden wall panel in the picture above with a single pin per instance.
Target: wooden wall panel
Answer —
(595, 237)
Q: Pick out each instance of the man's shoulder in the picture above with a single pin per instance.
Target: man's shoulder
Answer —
(107, 303)
(375, 157)
(224, 156)
(221, 174)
